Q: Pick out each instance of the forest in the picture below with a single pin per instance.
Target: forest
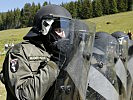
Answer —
(80, 9)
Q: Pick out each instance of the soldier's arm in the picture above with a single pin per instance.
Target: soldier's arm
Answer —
(23, 83)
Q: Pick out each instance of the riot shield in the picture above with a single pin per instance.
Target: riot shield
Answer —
(102, 80)
(78, 68)
(130, 70)
(121, 64)
(71, 83)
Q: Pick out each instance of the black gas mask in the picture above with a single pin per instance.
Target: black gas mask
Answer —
(60, 40)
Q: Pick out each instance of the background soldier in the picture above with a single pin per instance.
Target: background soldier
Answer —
(102, 81)
(123, 66)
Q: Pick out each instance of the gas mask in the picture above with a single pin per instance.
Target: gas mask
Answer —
(60, 39)
(46, 25)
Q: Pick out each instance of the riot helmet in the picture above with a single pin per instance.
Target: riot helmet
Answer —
(54, 26)
(47, 16)
(123, 40)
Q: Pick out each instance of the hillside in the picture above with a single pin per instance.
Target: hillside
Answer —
(117, 22)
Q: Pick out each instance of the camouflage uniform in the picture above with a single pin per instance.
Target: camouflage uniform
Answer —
(28, 72)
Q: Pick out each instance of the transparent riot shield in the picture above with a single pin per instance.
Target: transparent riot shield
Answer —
(130, 71)
(71, 83)
(102, 80)
(121, 66)
(123, 46)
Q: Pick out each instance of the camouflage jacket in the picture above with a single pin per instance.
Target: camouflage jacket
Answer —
(28, 72)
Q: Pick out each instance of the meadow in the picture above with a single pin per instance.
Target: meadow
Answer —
(116, 22)
(109, 23)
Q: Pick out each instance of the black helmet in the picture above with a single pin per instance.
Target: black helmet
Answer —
(102, 39)
(50, 11)
(47, 12)
(118, 34)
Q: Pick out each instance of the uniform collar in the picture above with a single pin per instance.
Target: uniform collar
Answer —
(37, 43)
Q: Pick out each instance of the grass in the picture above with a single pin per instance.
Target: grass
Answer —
(117, 22)
(2, 92)
(12, 36)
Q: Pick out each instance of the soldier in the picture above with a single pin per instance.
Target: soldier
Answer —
(102, 81)
(130, 34)
(43, 66)
(123, 66)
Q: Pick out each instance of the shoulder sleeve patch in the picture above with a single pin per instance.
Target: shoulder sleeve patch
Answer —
(14, 65)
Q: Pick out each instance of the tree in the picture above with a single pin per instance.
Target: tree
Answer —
(3, 17)
(78, 8)
(16, 18)
(86, 9)
(1, 22)
(130, 5)
(38, 6)
(105, 6)
(72, 9)
(10, 19)
(121, 5)
(97, 8)
(126, 4)
(113, 7)
(45, 3)
(26, 15)
(33, 12)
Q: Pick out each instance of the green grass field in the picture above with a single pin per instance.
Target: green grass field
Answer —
(118, 22)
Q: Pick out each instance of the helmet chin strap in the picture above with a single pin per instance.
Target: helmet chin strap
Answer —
(46, 24)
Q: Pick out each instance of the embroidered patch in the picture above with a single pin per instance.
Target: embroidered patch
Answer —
(14, 65)
(37, 58)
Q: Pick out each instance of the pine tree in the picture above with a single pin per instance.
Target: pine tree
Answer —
(130, 5)
(105, 6)
(97, 8)
(72, 9)
(79, 9)
(113, 7)
(45, 3)
(86, 9)
(126, 4)
(33, 12)
(26, 15)
(17, 18)
(1, 22)
(38, 6)
(10, 19)
(121, 5)
(3, 17)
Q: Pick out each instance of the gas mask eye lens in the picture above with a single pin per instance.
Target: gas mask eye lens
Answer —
(45, 24)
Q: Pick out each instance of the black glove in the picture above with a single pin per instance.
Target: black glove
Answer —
(61, 51)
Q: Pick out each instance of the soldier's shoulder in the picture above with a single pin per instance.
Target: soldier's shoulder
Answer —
(18, 47)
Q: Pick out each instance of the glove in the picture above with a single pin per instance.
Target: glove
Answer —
(62, 54)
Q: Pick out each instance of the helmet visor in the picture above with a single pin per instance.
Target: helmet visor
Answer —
(62, 27)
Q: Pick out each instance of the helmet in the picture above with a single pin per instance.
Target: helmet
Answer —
(118, 34)
(50, 11)
(45, 17)
(100, 39)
